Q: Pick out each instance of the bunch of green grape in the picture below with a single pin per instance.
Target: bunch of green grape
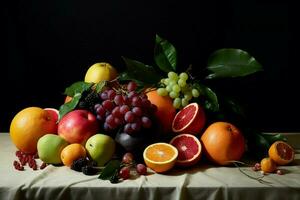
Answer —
(178, 88)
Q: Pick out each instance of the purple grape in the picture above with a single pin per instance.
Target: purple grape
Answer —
(131, 86)
(141, 169)
(119, 100)
(124, 109)
(126, 100)
(111, 94)
(146, 103)
(124, 173)
(106, 127)
(137, 111)
(116, 112)
(136, 126)
(96, 106)
(127, 158)
(100, 118)
(146, 122)
(110, 120)
(132, 94)
(129, 117)
(104, 96)
(136, 101)
(108, 105)
(101, 111)
(117, 121)
(127, 128)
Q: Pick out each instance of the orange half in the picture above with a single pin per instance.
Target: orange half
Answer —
(281, 153)
(160, 157)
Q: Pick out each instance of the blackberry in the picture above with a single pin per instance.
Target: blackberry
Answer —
(89, 170)
(78, 164)
(88, 100)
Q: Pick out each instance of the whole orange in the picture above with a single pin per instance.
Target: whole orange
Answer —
(29, 125)
(223, 142)
(165, 111)
(71, 153)
(268, 165)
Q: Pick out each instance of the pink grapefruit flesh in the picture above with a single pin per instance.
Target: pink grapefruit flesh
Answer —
(189, 149)
(190, 119)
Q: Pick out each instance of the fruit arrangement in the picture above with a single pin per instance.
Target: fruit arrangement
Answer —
(116, 124)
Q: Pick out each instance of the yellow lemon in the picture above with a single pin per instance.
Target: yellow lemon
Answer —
(100, 72)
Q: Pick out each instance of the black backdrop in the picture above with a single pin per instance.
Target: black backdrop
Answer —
(50, 44)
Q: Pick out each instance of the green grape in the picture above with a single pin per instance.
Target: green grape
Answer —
(195, 93)
(162, 81)
(169, 88)
(173, 76)
(184, 76)
(173, 94)
(166, 81)
(171, 83)
(176, 88)
(184, 102)
(188, 95)
(181, 82)
(177, 103)
(162, 92)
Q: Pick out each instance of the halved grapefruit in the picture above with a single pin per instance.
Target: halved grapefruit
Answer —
(191, 119)
(189, 149)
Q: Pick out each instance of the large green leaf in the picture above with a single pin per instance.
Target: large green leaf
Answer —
(77, 87)
(67, 107)
(225, 63)
(140, 72)
(165, 55)
(110, 170)
(211, 102)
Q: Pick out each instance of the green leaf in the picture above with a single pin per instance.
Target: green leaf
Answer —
(271, 138)
(165, 55)
(140, 72)
(67, 107)
(77, 87)
(211, 102)
(226, 63)
(110, 170)
(100, 86)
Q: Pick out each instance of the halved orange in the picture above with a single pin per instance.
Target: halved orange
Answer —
(281, 153)
(160, 157)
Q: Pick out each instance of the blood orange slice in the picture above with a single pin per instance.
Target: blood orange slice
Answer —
(281, 153)
(189, 149)
(190, 119)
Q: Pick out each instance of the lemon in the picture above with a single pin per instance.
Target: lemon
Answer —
(100, 72)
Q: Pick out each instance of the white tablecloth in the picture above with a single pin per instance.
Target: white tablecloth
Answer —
(200, 182)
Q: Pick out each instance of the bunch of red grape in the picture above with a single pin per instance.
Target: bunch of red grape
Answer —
(124, 108)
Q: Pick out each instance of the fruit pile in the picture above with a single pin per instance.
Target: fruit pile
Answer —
(110, 123)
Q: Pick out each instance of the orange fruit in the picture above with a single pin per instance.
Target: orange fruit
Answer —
(281, 153)
(160, 157)
(223, 142)
(165, 111)
(71, 153)
(190, 119)
(189, 149)
(29, 125)
(268, 165)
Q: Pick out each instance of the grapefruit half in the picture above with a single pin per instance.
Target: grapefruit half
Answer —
(191, 119)
(189, 149)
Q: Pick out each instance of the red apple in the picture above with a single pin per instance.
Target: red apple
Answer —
(77, 126)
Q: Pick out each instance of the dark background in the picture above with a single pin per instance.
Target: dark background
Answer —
(47, 45)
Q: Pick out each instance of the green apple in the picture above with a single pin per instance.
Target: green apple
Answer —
(100, 148)
(49, 148)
